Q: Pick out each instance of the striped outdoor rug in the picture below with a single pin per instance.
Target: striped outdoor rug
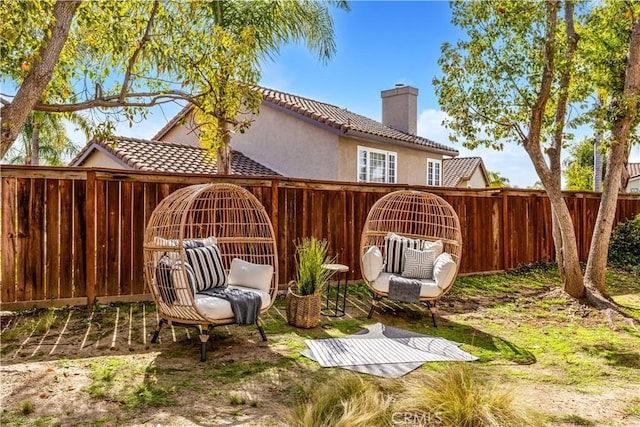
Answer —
(384, 351)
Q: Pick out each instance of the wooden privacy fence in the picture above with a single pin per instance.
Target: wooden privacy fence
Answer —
(75, 235)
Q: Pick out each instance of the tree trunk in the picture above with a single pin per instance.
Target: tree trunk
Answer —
(557, 243)
(15, 113)
(597, 262)
(566, 246)
(554, 152)
(570, 272)
(35, 144)
(223, 159)
(597, 164)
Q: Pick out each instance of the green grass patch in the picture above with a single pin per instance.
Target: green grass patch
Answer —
(573, 419)
(17, 418)
(231, 372)
(236, 399)
(633, 408)
(131, 384)
(35, 323)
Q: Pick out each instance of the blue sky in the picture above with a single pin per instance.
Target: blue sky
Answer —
(379, 44)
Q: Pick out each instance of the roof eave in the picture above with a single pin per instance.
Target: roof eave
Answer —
(386, 140)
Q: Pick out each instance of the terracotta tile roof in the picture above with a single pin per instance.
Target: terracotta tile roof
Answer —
(146, 155)
(634, 169)
(460, 168)
(338, 118)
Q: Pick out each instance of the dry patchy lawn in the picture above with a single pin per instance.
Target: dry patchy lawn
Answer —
(96, 366)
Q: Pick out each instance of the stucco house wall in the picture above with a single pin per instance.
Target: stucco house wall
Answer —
(181, 135)
(289, 145)
(633, 186)
(476, 181)
(98, 159)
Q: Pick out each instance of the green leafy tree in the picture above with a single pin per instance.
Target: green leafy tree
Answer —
(613, 55)
(508, 82)
(123, 57)
(497, 180)
(44, 140)
(512, 79)
(579, 166)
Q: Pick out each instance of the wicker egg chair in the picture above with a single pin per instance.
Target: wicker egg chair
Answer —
(220, 212)
(416, 215)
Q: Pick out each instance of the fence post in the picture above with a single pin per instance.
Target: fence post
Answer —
(90, 233)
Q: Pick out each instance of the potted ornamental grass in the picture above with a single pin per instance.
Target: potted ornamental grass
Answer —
(304, 298)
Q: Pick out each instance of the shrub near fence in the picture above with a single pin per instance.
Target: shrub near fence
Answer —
(74, 235)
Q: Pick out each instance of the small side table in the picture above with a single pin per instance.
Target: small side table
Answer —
(334, 308)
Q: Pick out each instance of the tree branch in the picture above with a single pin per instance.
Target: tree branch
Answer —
(554, 152)
(154, 98)
(532, 142)
(132, 61)
(538, 109)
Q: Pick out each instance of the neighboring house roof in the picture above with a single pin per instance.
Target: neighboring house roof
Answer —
(340, 119)
(146, 155)
(461, 168)
(634, 169)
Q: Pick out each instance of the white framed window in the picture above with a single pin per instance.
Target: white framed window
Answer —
(434, 172)
(377, 165)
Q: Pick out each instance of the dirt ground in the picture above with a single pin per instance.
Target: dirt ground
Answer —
(54, 371)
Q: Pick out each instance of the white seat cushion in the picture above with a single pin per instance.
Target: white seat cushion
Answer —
(444, 270)
(250, 275)
(372, 263)
(428, 289)
(217, 308)
(436, 246)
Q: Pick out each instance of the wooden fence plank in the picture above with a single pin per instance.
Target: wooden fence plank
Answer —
(90, 248)
(79, 238)
(52, 251)
(113, 238)
(65, 187)
(126, 240)
(9, 232)
(504, 217)
(101, 215)
(23, 188)
(35, 269)
(137, 230)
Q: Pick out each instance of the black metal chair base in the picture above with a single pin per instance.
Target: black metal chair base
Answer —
(430, 305)
(204, 335)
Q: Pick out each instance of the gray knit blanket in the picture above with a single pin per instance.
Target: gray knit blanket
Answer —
(404, 289)
(244, 304)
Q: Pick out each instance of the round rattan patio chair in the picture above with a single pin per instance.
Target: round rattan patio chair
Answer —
(222, 214)
(414, 215)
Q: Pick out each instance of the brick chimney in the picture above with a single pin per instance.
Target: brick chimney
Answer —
(400, 108)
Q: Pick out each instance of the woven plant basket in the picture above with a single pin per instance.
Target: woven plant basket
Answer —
(303, 311)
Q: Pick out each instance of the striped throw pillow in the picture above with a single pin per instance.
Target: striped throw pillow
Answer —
(207, 267)
(163, 280)
(418, 264)
(178, 279)
(394, 251)
(170, 279)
